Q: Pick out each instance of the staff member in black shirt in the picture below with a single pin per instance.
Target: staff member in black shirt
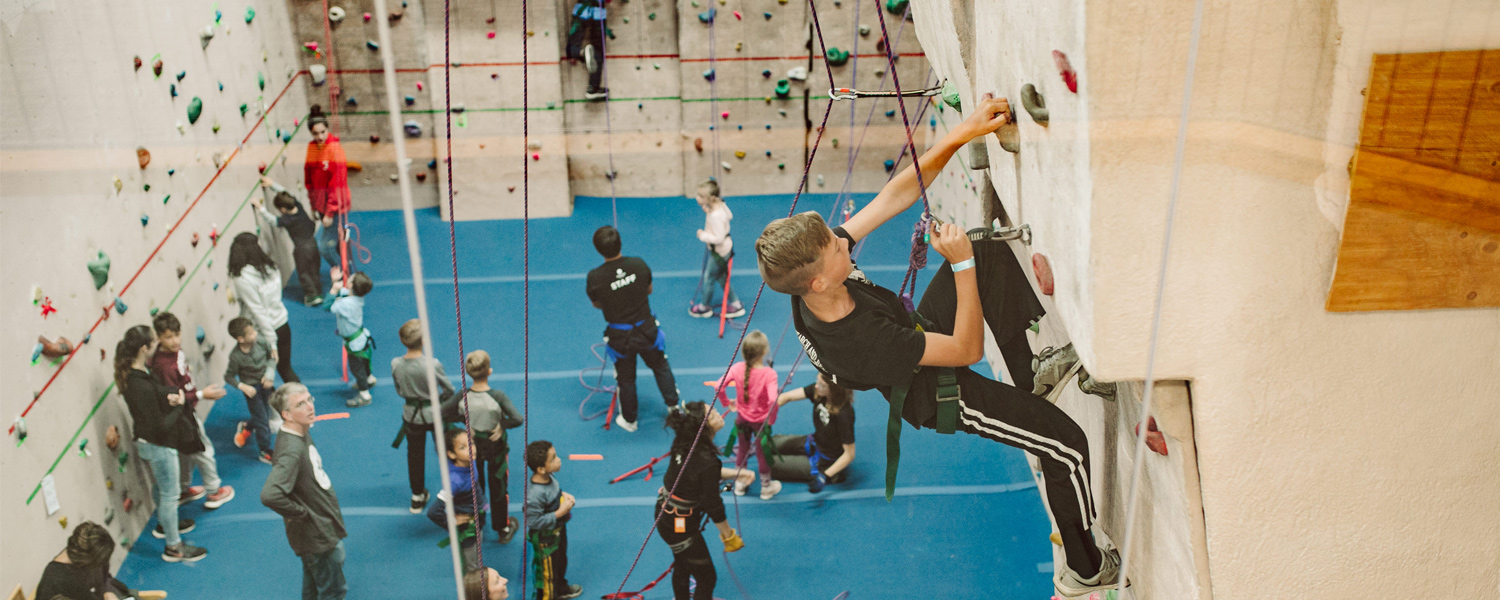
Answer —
(690, 490)
(81, 572)
(621, 287)
(824, 456)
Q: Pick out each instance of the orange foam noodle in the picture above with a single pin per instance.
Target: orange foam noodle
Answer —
(585, 457)
(331, 416)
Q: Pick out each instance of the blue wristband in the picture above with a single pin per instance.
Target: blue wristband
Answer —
(963, 264)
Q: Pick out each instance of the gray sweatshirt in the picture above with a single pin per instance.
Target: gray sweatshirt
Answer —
(542, 502)
(299, 490)
(250, 367)
(488, 410)
(409, 376)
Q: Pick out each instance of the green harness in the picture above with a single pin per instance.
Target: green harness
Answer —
(948, 394)
(369, 344)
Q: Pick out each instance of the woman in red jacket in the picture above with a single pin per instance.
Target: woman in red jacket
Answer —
(326, 175)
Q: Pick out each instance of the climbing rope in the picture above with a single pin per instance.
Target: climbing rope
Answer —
(598, 386)
(333, 88)
(609, 134)
(526, 266)
(802, 185)
(919, 247)
(413, 248)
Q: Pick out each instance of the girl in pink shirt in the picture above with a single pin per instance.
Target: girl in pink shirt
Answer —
(755, 407)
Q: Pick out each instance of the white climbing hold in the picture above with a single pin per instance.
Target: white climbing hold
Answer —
(797, 74)
(205, 35)
(319, 73)
(726, 166)
(335, 14)
(820, 181)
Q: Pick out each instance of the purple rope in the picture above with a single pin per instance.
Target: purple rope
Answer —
(609, 134)
(526, 262)
(911, 269)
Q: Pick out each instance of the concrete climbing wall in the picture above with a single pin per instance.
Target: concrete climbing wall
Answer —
(71, 117)
(1280, 450)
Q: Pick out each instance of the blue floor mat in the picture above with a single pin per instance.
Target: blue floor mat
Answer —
(960, 528)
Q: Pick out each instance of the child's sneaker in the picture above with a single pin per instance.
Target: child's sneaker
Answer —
(742, 482)
(769, 490)
(418, 502)
(265, 457)
(700, 311)
(191, 493)
(183, 526)
(574, 591)
(1053, 366)
(241, 434)
(596, 94)
(370, 380)
(1070, 585)
(219, 498)
(509, 531)
(736, 310)
(623, 424)
(313, 301)
(363, 399)
(183, 553)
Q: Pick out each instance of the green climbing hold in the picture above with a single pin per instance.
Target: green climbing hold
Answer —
(195, 110)
(216, 127)
(783, 89)
(244, 108)
(99, 268)
(181, 74)
(896, 7)
(950, 96)
(120, 306)
(249, 15)
(164, 200)
(146, 187)
(836, 57)
(627, 20)
(260, 80)
(286, 138)
(651, 16)
(154, 310)
(708, 15)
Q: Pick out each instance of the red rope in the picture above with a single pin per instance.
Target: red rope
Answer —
(144, 264)
(333, 86)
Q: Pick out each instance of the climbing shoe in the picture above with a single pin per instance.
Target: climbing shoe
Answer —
(363, 399)
(183, 526)
(313, 301)
(1052, 366)
(183, 553)
(418, 502)
(736, 310)
(597, 94)
(1089, 385)
(265, 457)
(700, 311)
(1070, 585)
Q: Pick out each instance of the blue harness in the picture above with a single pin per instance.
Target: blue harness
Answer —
(589, 13)
(814, 454)
(661, 337)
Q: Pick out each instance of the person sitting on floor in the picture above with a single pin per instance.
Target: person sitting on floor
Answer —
(824, 456)
(81, 571)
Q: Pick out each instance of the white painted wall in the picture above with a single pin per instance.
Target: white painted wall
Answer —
(1338, 453)
(72, 112)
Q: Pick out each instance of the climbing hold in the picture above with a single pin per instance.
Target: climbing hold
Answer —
(836, 57)
(63, 521)
(651, 17)
(725, 165)
(286, 137)
(698, 145)
(311, 47)
(213, 235)
(708, 15)
(656, 66)
(1154, 438)
(536, 157)
(724, 114)
(932, 122)
(193, 241)
(118, 185)
(895, 7)
(421, 177)
(950, 96)
(490, 35)
(738, 46)
(1043, 270)
(215, 128)
(335, 14)
(395, 16)
(395, 178)
(194, 110)
(318, 72)
(782, 111)
(640, 106)
(413, 129)
(249, 15)
(138, 63)
(120, 306)
(880, 73)
(709, 74)
(260, 80)
(205, 35)
(864, 30)
(172, 89)
(890, 113)
(410, 100)
(144, 219)
(534, 145)
(146, 187)
(171, 172)
(820, 181)
(367, 17)
(156, 65)
(371, 44)
(1065, 68)
(511, 189)
(374, 139)
(797, 74)
(737, 16)
(1035, 104)
(890, 165)
(419, 86)
(164, 200)
(739, 154)
(221, 86)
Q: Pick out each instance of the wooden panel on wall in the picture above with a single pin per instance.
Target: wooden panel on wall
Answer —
(1423, 227)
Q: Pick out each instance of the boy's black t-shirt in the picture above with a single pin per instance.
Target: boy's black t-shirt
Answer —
(830, 431)
(622, 288)
(875, 346)
(298, 225)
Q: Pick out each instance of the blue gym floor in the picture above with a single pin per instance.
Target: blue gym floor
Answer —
(967, 523)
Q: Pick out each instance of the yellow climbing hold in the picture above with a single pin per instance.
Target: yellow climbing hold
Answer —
(739, 154)
(1056, 539)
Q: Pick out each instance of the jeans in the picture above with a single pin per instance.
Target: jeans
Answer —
(323, 575)
(309, 270)
(260, 413)
(167, 472)
(328, 243)
(714, 275)
(359, 371)
(205, 462)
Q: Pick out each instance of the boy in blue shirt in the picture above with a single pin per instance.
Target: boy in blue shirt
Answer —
(349, 315)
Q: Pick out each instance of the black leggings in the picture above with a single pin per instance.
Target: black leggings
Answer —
(305, 256)
(416, 456)
(284, 354)
(690, 557)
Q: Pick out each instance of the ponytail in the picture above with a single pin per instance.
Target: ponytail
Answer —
(126, 350)
(686, 424)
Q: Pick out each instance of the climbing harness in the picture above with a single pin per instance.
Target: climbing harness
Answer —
(852, 94)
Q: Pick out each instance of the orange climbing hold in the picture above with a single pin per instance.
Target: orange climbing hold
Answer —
(1154, 438)
(1043, 270)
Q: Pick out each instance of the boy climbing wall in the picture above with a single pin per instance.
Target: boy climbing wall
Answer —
(586, 43)
(862, 336)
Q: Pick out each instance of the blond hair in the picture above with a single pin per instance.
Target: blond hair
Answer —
(712, 186)
(477, 364)
(789, 250)
(411, 334)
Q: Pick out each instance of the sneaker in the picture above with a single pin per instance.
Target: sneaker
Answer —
(574, 591)
(418, 502)
(623, 424)
(1050, 366)
(700, 311)
(363, 399)
(509, 531)
(1070, 585)
(219, 498)
(183, 526)
(191, 493)
(597, 94)
(183, 552)
(241, 434)
(590, 59)
(313, 301)
(370, 380)
(742, 482)
(736, 310)
(769, 490)
(265, 457)
(1089, 385)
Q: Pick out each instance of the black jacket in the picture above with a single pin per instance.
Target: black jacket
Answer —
(156, 420)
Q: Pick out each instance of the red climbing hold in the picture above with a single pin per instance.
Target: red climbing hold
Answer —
(1043, 270)
(1065, 69)
(490, 21)
(511, 189)
(421, 177)
(1154, 439)
(311, 47)
(213, 235)
(536, 156)
(367, 16)
(47, 307)
(261, 168)
(374, 139)
(138, 63)
(142, 156)
(490, 35)
(737, 16)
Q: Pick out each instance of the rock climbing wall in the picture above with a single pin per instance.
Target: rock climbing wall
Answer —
(72, 186)
(1281, 397)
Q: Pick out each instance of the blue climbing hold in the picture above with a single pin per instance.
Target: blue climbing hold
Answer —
(708, 15)
(173, 89)
(741, 127)
(640, 106)
(710, 127)
(351, 101)
(201, 334)
(709, 74)
(766, 73)
(768, 127)
(372, 45)
(145, 219)
(768, 154)
(181, 74)
(766, 15)
(410, 100)
(218, 15)
(890, 165)
(932, 121)
(36, 352)
(221, 86)
(890, 113)
(171, 172)
(286, 138)
(120, 305)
